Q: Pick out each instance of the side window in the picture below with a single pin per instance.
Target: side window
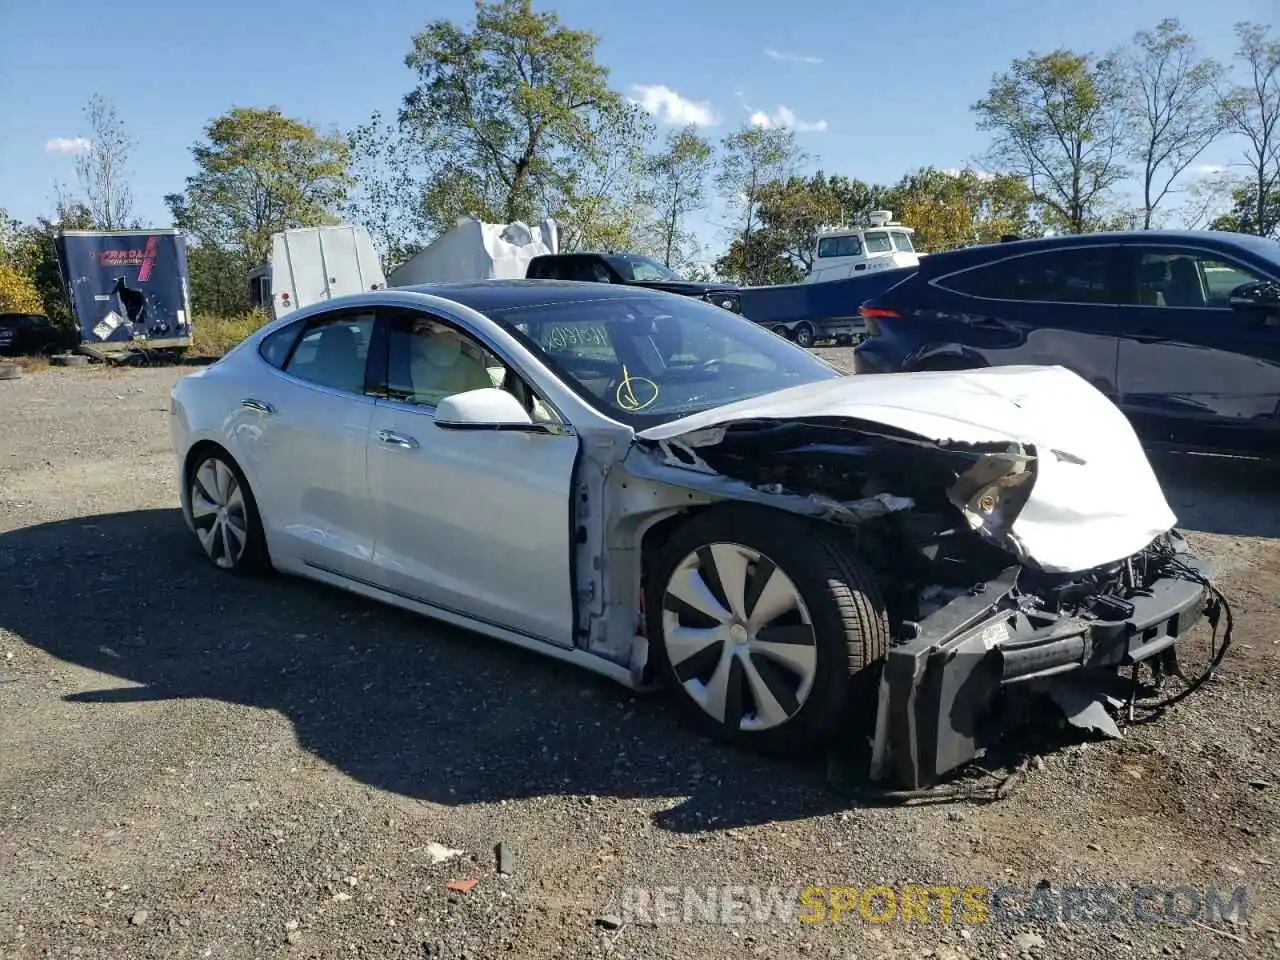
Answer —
(541, 268)
(332, 351)
(879, 243)
(429, 360)
(1057, 276)
(1173, 277)
(274, 347)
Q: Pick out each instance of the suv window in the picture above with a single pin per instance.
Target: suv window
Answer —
(1055, 276)
(332, 351)
(1172, 277)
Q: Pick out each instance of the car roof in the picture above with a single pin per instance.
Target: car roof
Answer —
(965, 256)
(492, 295)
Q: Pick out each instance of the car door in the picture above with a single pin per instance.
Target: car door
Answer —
(302, 428)
(1050, 307)
(473, 521)
(1191, 368)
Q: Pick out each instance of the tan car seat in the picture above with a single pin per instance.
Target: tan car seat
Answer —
(439, 367)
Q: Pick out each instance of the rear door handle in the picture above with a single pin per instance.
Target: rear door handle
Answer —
(260, 405)
(393, 439)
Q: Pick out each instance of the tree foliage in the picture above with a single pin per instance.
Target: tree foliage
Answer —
(1058, 122)
(499, 103)
(1170, 106)
(260, 172)
(1251, 110)
(957, 209)
(103, 170)
(388, 185)
(751, 158)
(676, 187)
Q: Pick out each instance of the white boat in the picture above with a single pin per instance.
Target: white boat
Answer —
(882, 244)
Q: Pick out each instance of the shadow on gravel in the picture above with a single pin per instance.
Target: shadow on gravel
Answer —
(1233, 496)
(394, 700)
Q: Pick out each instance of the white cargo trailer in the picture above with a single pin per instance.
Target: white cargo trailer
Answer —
(311, 264)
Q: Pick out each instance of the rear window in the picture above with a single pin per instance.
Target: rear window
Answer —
(541, 268)
(1055, 276)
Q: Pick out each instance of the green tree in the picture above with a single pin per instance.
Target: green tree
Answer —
(957, 209)
(1171, 109)
(388, 186)
(677, 187)
(500, 103)
(1058, 122)
(595, 196)
(260, 172)
(1247, 216)
(1251, 110)
(790, 213)
(751, 158)
(30, 250)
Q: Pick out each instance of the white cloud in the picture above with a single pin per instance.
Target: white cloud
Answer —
(790, 57)
(785, 117)
(980, 174)
(67, 145)
(669, 107)
(1208, 169)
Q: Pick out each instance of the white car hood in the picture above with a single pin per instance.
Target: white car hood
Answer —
(1095, 500)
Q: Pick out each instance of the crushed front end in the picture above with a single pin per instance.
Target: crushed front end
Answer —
(987, 557)
(1069, 637)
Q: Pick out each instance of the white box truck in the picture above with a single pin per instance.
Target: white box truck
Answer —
(311, 264)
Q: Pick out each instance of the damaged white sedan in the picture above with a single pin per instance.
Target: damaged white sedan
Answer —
(661, 491)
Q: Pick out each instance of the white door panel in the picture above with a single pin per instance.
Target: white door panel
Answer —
(476, 521)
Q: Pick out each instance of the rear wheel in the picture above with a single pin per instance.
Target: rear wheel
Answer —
(225, 514)
(781, 331)
(804, 335)
(759, 621)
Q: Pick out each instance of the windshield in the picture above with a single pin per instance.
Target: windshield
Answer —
(633, 266)
(903, 242)
(646, 360)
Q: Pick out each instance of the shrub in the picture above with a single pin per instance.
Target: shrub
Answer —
(17, 293)
(213, 335)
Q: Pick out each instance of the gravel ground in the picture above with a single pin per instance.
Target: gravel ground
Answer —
(193, 765)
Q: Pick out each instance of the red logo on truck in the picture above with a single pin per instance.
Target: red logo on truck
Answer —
(143, 259)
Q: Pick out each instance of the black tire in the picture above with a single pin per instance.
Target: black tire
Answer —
(254, 558)
(781, 331)
(849, 628)
(803, 335)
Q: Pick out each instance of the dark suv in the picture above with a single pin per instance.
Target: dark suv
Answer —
(630, 268)
(1180, 329)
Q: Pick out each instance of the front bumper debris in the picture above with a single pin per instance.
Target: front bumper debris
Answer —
(937, 688)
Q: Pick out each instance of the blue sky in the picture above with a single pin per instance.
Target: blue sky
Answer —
(889, 83)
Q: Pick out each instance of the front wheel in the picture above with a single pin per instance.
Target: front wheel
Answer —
(804, 335)
(760, 620)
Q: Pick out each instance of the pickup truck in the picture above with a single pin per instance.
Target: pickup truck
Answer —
(633, 269)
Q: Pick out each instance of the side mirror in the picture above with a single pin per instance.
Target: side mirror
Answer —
(1261, 298)
(485, 409)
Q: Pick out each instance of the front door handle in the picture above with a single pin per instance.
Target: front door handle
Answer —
(260, 405)
(393, 439)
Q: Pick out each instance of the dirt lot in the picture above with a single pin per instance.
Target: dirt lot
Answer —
(193, 765)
